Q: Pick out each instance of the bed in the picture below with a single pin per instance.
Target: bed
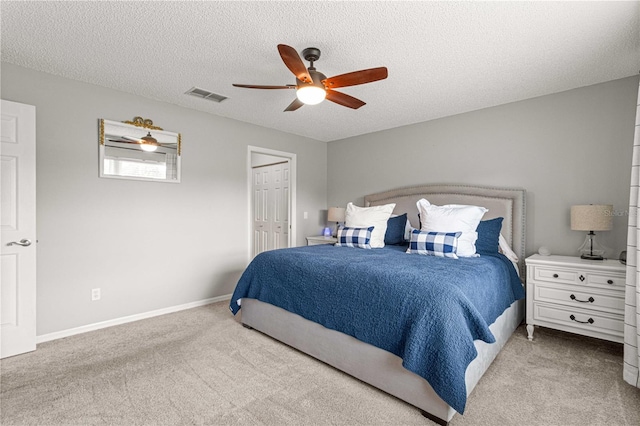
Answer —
(363, 357)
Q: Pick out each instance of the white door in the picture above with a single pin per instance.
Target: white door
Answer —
(261, 224)
(270, 207)
(280, 223)
(18, 225)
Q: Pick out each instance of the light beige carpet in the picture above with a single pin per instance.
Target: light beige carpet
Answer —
(202, 367)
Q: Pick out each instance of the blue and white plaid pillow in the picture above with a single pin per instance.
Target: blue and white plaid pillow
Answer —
(354, 237)
(442, 244)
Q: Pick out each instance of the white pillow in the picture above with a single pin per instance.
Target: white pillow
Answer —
(422, 203)
(453, 218)
(364, 217)
(407, 230)
(506, 250)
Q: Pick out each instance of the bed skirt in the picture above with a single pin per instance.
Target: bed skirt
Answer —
(373, 365)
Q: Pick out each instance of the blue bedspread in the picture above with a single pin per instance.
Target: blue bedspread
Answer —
(427, 310)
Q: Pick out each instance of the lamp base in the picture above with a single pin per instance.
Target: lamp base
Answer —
(591, 257)
(591, 249)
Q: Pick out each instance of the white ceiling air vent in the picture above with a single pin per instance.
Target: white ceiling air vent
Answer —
(205, 94)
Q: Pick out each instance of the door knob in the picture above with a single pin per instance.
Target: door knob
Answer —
(24, 243)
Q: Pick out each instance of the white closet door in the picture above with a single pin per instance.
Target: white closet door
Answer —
(261, 223)
(284, 205)
(280, 229)
(270, 207)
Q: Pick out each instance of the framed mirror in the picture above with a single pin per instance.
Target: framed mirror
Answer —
(138, 150)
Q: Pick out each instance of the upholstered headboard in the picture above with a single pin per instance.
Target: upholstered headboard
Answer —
(508, 203)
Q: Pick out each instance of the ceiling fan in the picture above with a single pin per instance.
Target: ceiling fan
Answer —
(312, 87)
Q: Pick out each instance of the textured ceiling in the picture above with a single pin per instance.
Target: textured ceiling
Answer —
(444, 58)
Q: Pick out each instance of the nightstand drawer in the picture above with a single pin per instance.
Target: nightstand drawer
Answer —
(581, 298)
(607, 281)
(557, 275)
(582, 319)
(579, 277)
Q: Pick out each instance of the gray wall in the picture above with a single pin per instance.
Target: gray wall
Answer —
(147, 245)
(567, 148)
(151, 245)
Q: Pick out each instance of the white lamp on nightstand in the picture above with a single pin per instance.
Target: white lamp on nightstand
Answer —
(336, 214)
(592, 217)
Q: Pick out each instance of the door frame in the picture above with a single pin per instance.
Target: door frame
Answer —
(292, 158)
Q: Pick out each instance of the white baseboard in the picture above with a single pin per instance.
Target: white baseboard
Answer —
(131, 318)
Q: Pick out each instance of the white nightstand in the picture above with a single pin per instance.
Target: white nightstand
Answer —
(319, 239)
(576, 295)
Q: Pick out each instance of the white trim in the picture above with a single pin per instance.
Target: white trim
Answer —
(292, 187)
(131, 318)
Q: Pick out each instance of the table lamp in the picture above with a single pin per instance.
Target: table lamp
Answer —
(592, 217)
(336, 214)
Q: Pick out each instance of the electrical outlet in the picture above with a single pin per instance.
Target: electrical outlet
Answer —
(95, 294)
(305, 215)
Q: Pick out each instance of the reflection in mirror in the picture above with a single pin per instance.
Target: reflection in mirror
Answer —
(138, 150)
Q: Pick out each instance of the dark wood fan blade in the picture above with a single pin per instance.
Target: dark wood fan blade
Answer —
(297, 103)
(344, 99)
(292, 60)
(254, 86)
(355, 78)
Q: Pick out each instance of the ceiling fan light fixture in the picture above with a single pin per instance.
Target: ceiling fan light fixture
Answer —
(310, 94)
(148, 143)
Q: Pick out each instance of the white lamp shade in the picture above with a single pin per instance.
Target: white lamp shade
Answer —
(336, 214)
(311, 95)
(592, 217)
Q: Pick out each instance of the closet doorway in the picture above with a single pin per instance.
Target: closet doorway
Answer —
(271, 200)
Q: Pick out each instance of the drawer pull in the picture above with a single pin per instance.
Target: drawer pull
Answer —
(609, 281)
(589, 321)
(581, 277)
(555, 275)
(590, 300)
